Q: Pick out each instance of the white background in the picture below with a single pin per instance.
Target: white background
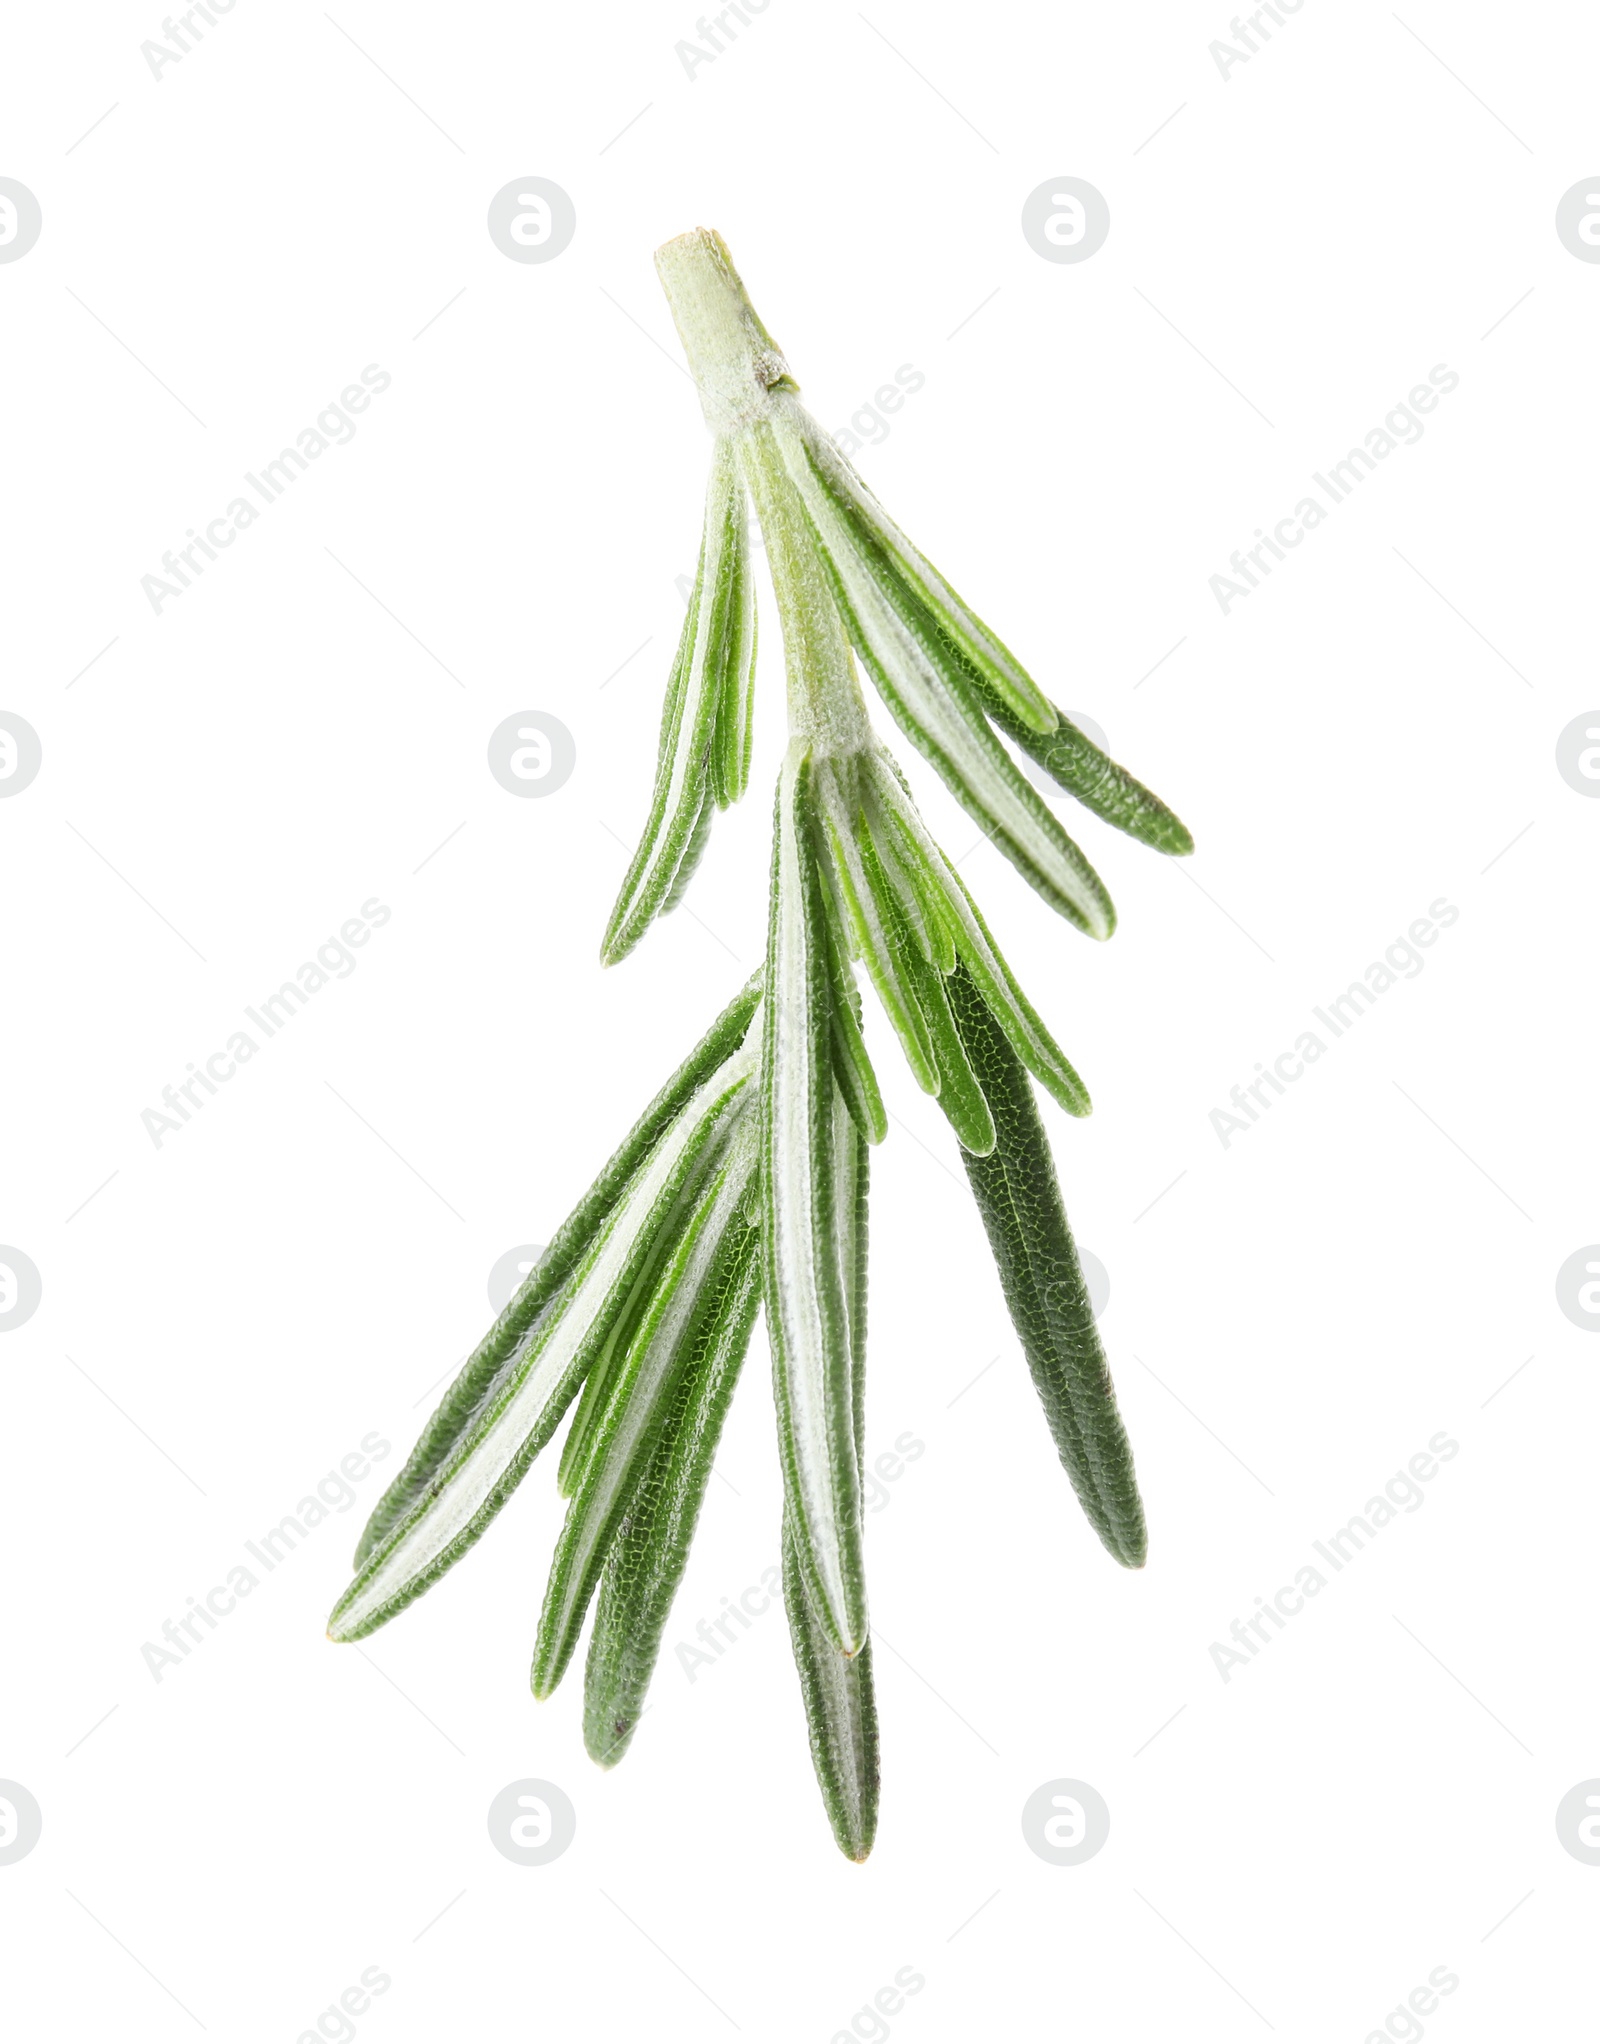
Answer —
(1291, 1319)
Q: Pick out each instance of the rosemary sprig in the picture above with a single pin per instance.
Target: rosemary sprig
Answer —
(746, 1178)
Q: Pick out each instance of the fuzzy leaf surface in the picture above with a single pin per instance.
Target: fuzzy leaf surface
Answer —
(1020, 1201)
(647, 1558)
(533, 1297)
(527, 1398)
(808, 1319)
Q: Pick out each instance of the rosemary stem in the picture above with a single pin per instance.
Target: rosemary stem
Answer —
(736, 365)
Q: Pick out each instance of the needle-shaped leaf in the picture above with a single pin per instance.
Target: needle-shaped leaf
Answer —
(910, 581)
(730, 759)
(685, 1296)
(715, 642)
(835, 785)
(533, 1296)
(693, 852)
(646, 1561)
(1104, 788)
(841, 1713)
(930, 927)
(927, 690)
(959, 1093)
(602, 1374)
(841, 1716)
(808, 1318)
(978, 951)
(1020, 1202)
(525, 1402)
(852, 1068)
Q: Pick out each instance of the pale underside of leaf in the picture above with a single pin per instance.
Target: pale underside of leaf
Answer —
(944, 888)
(856, 911)
(647, 1558)
(535, 1294)
(841, 1717)
(660, 1350)
(716, 637)
(807, 1305)
(933, 704)
(841, 1714)
(533, 1390)
(912, 571)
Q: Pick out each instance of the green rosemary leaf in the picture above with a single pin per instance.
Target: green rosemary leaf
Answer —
(852, 1177)
(646, 1561)
(839, 818)
(852, 1068)
(608, 1361)
(693, 852)
(534, 1295)
(602, 1374)
(1032, 1042)
(841, 1717)
(959, 1093)
(714, 624)
(928, 693)
(857, 1081)
(841, 1713)
(922, 916)
(1020, 1202)
(808, 1319)
(730, 756)
(525, 1402)
(908, 579)
(690, 1283)
(1104, 788)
